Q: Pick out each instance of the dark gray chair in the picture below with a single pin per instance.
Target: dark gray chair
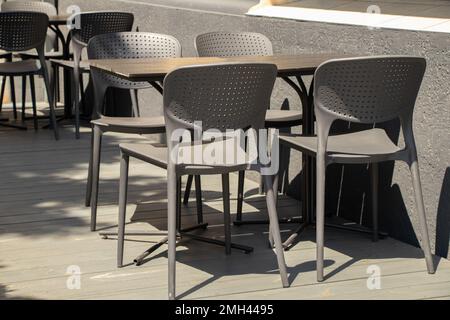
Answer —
(122, 45)
(51, 41)
(36, 6)
(237, 44)
(23, 31)
(202, 93)
(88, 25)
(364, 90)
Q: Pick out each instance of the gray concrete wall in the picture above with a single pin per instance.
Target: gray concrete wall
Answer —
(347, 189)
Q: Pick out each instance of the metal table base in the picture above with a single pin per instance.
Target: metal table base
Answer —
(184, 233)
(5, 122)
(338, 223)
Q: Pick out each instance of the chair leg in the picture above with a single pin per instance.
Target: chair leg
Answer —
(261, 185)
(33, 101)
(226, 211)
(135, 102)
(179, 203)
(57, 84)
(425, 243)
(187, 191)
(285, 155)
(275, 191)
(13, 96)
(75, 99)
(123, 189)
(83, 97)
(2, 93)
(375, 181)
(49, 83)
(95, 175)
(275, 229)
(24, 96)
(198, 197)
(240, 199)
(281, 168)
(172, 229)
(87, 201)
(320, 214)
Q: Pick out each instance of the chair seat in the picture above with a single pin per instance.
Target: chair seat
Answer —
(357, 146)
(156, 154)
(139, 125)
(20, 67)
(283, 118)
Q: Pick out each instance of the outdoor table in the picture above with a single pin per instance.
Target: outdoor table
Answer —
(297, 66)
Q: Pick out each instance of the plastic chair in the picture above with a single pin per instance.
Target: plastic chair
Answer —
(364, 90)
(123, 45)
(88, 25)
(222, 96)
(36, 6)
(22, 31)
(51, 41)
(236, 44)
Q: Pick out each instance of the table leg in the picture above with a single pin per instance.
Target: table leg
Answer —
(301, 91)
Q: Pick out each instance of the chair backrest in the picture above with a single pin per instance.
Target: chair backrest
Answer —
(35, 6)
(92, 24)
(233, 44)
(367, 90)
(221, 96)
(128, 45)
(133, 45)
(22, 31)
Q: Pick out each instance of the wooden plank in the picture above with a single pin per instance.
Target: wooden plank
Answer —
(44, 228)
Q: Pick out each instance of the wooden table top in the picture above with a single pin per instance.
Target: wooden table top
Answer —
(156, 69)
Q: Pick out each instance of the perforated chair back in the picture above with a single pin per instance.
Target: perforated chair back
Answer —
(368, 90)
(86, 26)
(365, 90)
(95, 23)
(233, 44)
(35, 6)
(22, 31)
(130, 45)
(221, 96)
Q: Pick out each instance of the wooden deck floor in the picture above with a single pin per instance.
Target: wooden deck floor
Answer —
(44, 229)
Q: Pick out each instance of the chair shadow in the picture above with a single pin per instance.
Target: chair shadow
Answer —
(256, 236)
(348, 193)
(443, 218)
(6, 294)
(262, 261)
